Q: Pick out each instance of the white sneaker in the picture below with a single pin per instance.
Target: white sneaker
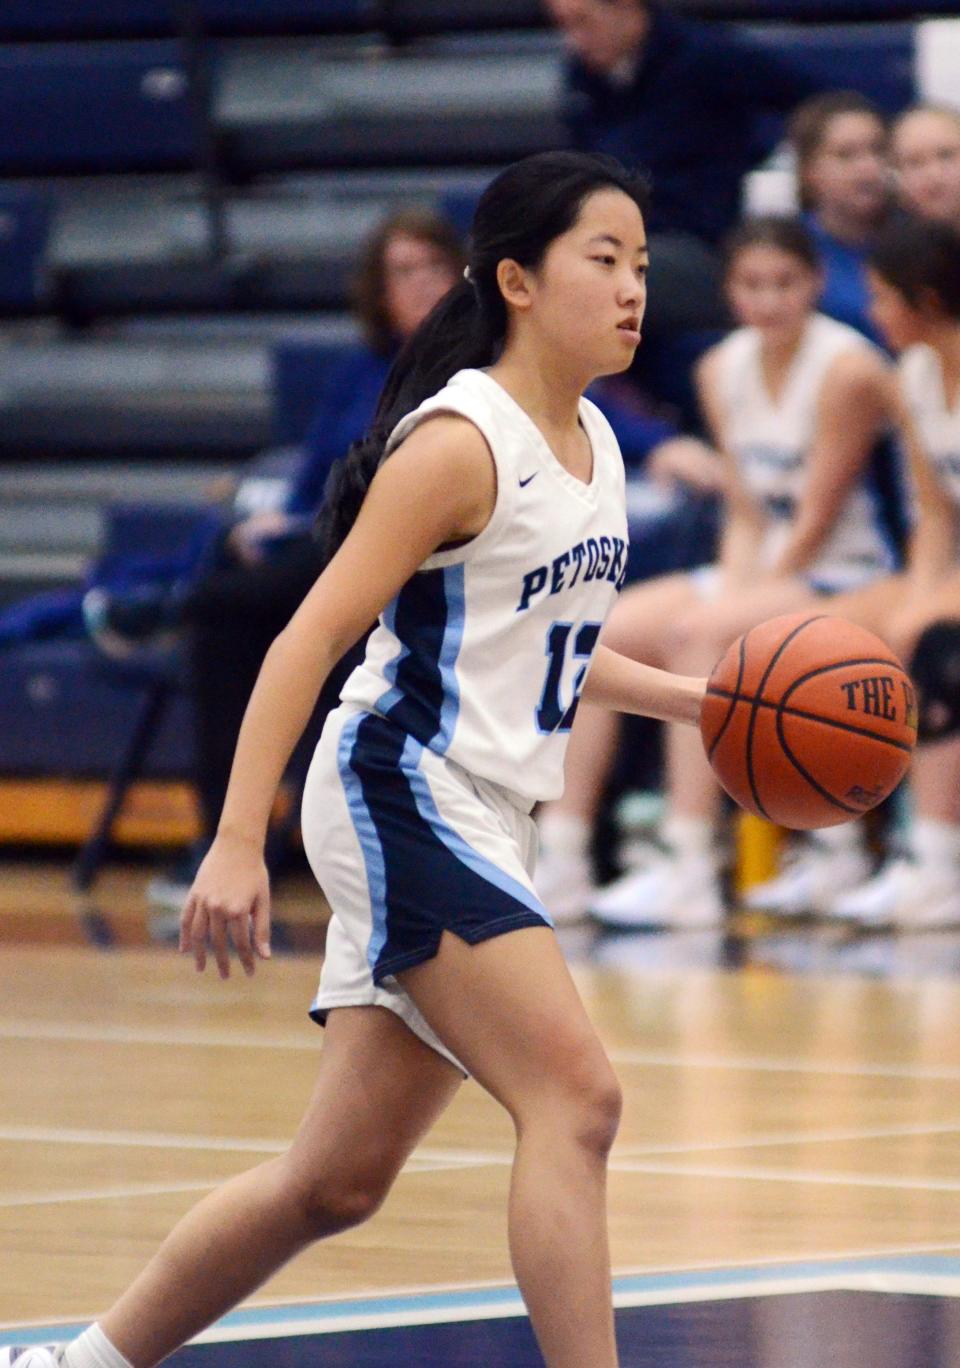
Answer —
(564, 884)
(911, 896)
(814, 873)
(674, 893)
(35, 1356)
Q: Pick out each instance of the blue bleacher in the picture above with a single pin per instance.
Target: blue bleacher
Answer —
(69, 710)
(24, 229)
(66, 712)
(24, 19)
(876, 59)
(94, 107)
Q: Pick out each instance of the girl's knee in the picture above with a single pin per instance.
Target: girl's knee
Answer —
(339, 1197)
(601, 1109)
(582, 1101)
(695, 638)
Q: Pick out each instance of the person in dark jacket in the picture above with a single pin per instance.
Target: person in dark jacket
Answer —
(690, 101)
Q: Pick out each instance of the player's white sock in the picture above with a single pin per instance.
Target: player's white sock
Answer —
(845, 836)
(689, 835)
(935, 843)
(93, 1350)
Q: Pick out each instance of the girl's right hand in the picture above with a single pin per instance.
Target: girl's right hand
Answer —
(229, 901)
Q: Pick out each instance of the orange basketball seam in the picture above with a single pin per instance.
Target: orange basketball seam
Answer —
(802, 770)
(814, 717)
(755, 708)
(734, 699)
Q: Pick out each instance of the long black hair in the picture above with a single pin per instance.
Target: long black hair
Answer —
(519, 214)
(919, 257)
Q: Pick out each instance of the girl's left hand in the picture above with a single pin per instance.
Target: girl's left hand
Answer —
(229, 901)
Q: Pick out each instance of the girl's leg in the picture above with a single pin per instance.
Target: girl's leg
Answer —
(921, 891)
(509, 1009)
(380, 1089)
(935, 781)
(874, 606)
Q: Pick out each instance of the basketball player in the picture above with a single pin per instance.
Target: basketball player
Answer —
(795, 401)
(915, 282)
(483, 522)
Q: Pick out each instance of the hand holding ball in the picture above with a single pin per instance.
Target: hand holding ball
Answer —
(809, 720)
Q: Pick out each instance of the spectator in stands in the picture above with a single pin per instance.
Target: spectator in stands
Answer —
(267, 563)
(795, 401)
(840, 142)
(925, 145)
(690, 102)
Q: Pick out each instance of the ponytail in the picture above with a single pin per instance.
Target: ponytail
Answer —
(518, 216)
(455, 335)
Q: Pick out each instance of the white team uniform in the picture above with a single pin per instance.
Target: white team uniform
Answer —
(770, 439)
(938, 426)
(416, 808)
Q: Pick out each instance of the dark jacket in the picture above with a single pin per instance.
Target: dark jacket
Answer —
(696, 116)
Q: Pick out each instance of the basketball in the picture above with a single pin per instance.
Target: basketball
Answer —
(809, 720)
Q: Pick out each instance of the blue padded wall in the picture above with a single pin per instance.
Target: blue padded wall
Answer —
(67, 711)
(121, 18)
(94, 107)
(24, 229)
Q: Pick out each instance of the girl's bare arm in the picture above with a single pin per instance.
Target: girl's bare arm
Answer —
(439, 486)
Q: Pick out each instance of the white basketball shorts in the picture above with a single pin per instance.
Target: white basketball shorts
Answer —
(406, 844)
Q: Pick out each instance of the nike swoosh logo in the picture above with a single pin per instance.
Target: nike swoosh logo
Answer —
(525, 482)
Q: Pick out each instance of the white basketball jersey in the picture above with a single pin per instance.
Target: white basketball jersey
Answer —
(770, 439)
(938, 426)
(483, 653)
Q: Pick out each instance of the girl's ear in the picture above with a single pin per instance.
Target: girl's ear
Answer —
(514, 283)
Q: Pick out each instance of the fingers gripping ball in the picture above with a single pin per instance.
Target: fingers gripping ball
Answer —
(809, 721)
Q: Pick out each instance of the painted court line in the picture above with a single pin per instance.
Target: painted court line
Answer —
(121, 1139)
(932, 1276)
(873, 1255)
(718, 1174)
(775, 1138)
(136, 1190)
(201, 1038)
(132, 1035)
(453, 1157)
(30, 1199)
(779, 1175)
(124, 1139)
(774, 1064)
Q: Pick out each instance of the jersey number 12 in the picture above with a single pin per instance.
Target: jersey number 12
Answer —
(564, 648)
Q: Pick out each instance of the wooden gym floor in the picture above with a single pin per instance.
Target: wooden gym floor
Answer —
(792, 1125)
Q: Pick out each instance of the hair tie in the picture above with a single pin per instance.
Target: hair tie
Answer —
(467, 275)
